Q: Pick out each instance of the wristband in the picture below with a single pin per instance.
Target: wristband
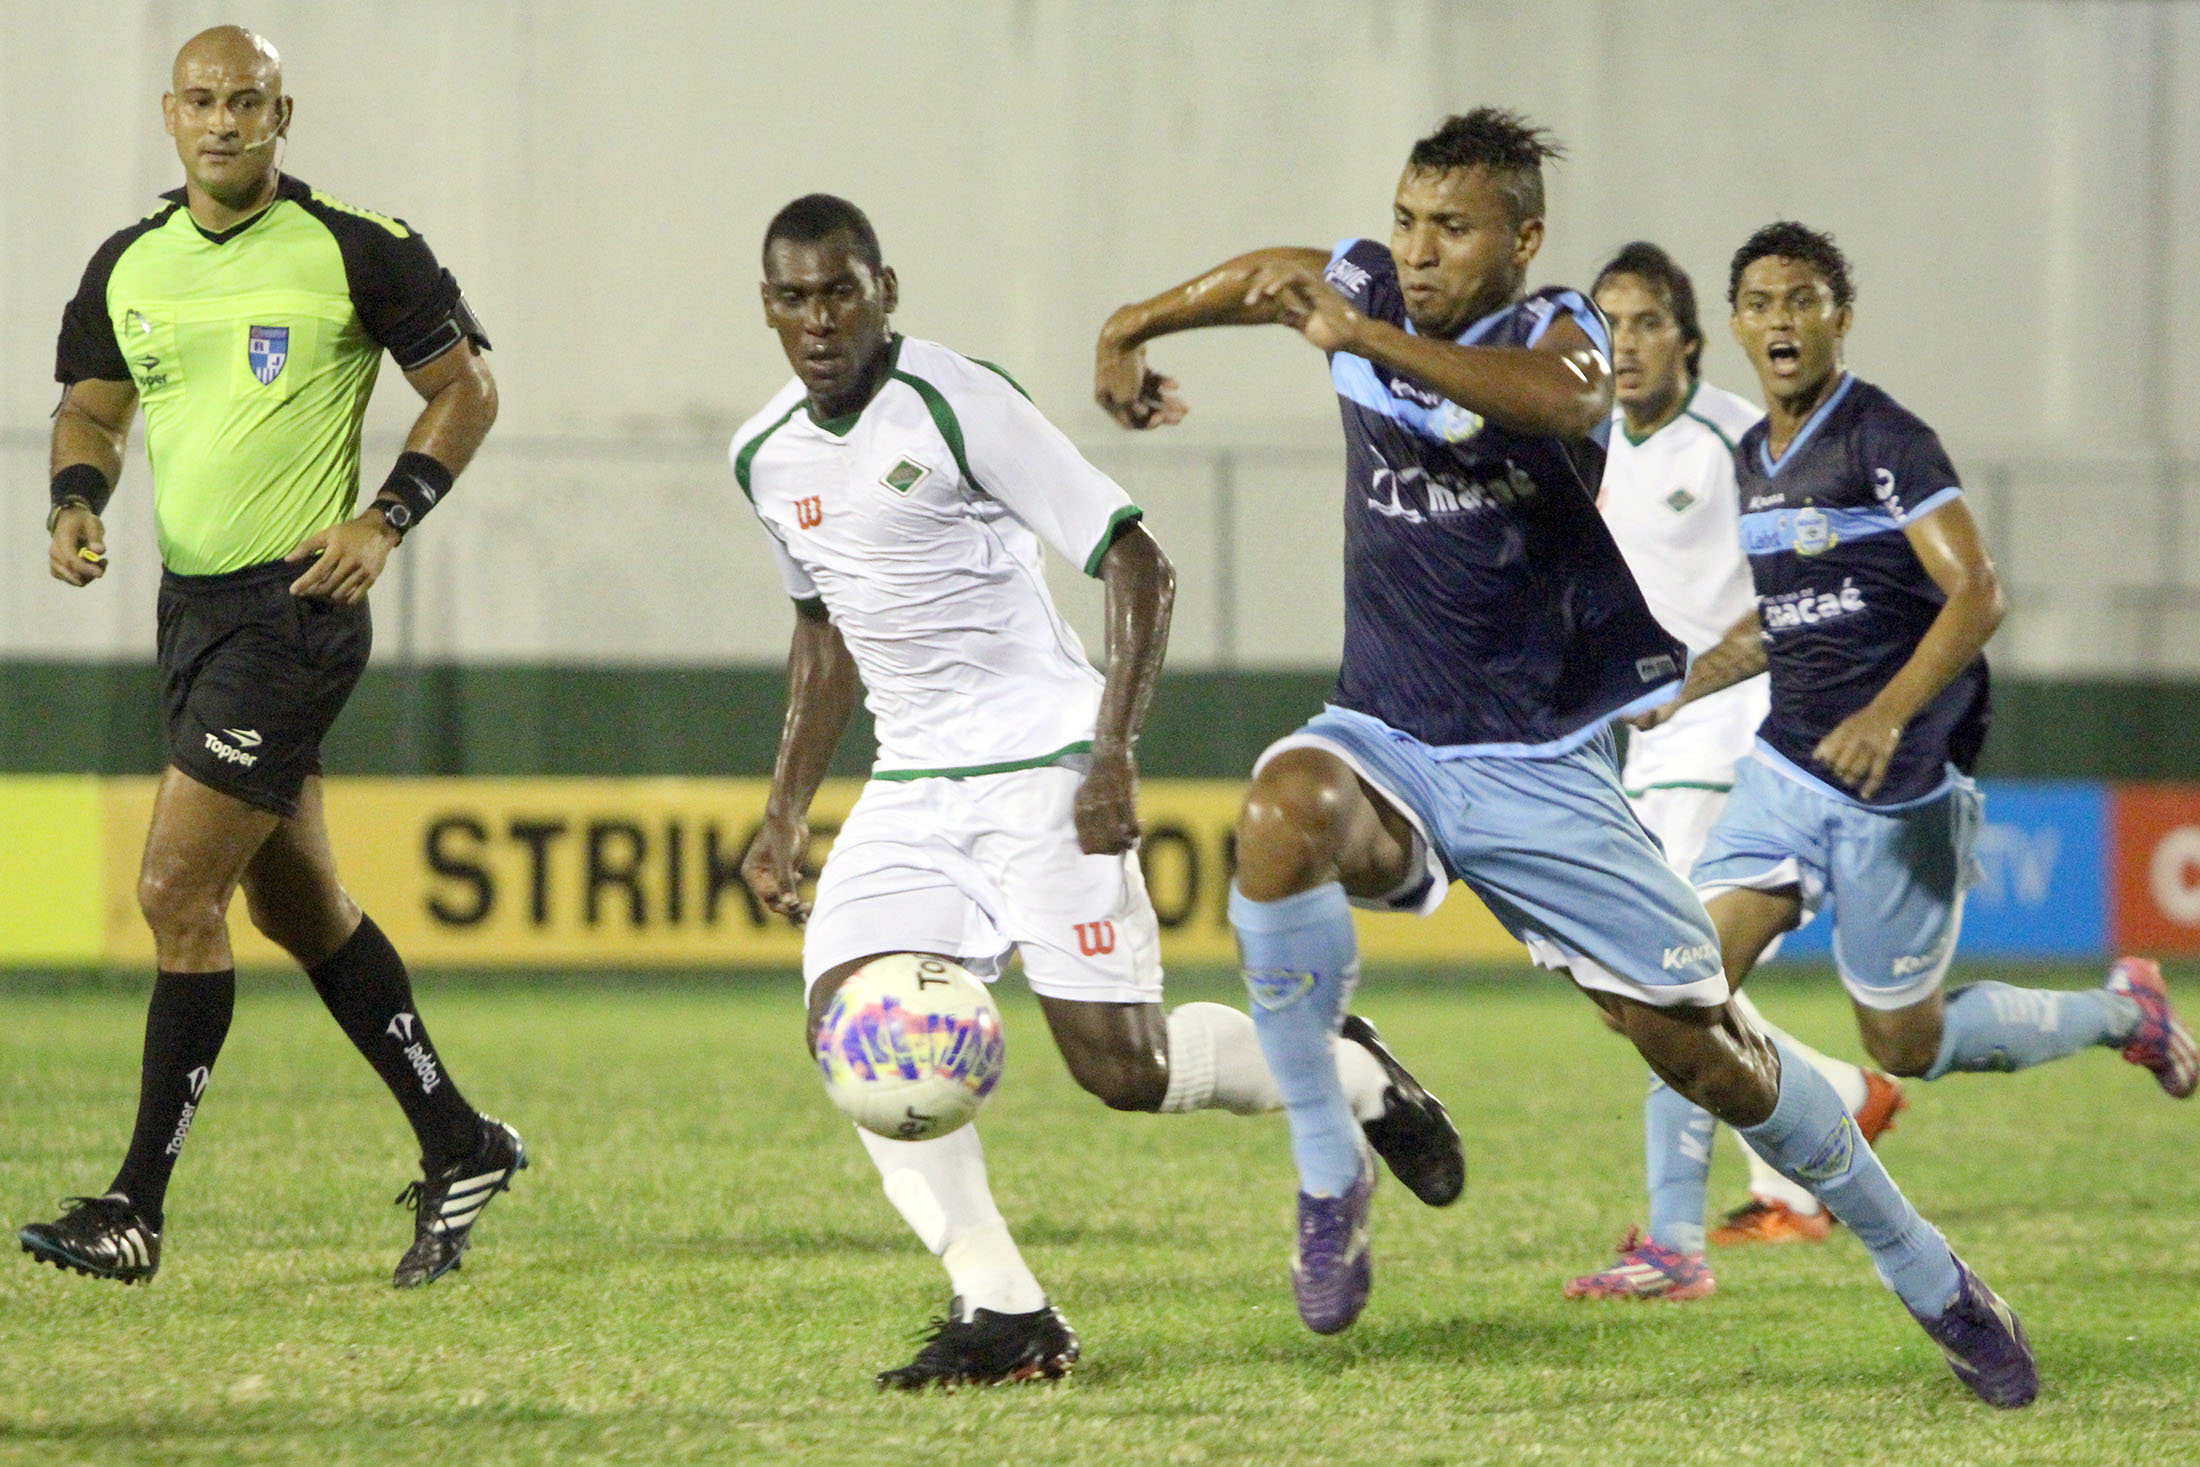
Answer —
(77, 484)
(418, 482)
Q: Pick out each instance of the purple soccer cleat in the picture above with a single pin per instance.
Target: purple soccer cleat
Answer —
(1333, 1268)
(1985, 1345)
(2160, 1043)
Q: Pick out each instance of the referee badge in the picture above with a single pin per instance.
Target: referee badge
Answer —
(267, 348)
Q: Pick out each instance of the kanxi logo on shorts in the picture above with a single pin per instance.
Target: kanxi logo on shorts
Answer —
(267, 348)
(1688, 957)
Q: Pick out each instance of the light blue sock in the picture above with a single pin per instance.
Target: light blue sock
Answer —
(1677, 1154)
(1992, 1026)
(1810, 1140)
(1301, 960)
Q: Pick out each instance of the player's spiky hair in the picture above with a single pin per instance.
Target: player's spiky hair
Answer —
(820, 216)
(1657, 269)
(1500, 140)
(1792, 241)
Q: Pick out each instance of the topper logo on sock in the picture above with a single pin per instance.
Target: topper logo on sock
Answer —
(401, 1028)
(1095, 939)
(1834, 1155)
(1277, 988)
(197, 1081)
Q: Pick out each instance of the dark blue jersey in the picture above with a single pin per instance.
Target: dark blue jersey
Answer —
(1485, 603)
(1843, 598)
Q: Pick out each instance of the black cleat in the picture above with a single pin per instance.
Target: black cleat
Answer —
(988, 1349)
(448, 1204)
(1414, 1135)
(100, 1236)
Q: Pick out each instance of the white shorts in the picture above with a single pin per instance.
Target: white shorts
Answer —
(1681, 817)
(976, 868)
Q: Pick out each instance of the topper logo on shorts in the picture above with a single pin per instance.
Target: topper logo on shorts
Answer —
(1095, 938)
(809, 513)
(230, 753)
(267, 347)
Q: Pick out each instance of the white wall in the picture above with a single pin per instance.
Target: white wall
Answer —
(2017, 183)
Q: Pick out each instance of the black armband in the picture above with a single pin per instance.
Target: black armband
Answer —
(78, 484)
(419, 483)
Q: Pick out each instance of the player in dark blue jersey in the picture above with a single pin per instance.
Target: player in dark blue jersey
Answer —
(1875, 600)
(1492, 633)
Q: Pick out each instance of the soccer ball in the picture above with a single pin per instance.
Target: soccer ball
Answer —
(911, 1047)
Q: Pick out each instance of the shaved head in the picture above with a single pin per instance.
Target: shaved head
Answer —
(228, 115)
(230, 50)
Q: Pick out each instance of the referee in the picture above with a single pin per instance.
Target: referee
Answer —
(249, 314)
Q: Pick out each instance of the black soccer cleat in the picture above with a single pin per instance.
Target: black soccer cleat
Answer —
(100, 1236)
(448, 1204)
(1414, 1135)
(988, 1349)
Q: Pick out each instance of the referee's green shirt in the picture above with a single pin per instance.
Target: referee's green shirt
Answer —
(254, 352)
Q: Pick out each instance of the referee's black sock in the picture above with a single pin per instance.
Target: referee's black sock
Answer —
(365, 985)
(184, 1028)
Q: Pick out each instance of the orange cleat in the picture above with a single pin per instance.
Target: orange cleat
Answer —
(1883, 1101)
(1766, 1220)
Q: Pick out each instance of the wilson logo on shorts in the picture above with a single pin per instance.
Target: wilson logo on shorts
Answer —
(267, 348)
(809, 513)
(1095, 938)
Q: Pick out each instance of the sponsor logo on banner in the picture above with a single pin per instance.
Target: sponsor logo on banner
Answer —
(617, 873)
(267, 348)
(2157, 868)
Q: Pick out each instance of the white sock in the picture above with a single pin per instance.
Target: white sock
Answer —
(1847, 1081)
(939, 1188)
(1216, 1063)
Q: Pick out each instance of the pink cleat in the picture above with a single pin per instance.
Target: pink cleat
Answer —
(1646, 1270)
(2160, 1043)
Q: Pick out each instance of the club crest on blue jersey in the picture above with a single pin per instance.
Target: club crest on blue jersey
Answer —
(1813, 535)
(267, 348)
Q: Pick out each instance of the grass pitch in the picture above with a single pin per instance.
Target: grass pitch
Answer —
(700, 1266)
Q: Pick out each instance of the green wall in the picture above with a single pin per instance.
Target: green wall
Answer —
(103, 718)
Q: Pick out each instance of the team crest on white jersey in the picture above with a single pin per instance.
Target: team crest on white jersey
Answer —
(905, 475)
(1680, 501)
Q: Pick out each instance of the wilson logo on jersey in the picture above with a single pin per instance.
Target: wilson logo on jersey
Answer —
(809, 513)
(1095, 938)
(267, 348)
(905, 476)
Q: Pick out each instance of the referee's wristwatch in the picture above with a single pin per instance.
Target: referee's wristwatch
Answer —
(396, 514)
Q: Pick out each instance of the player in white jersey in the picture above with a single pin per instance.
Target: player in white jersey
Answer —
(908, 492)
(1669, 497)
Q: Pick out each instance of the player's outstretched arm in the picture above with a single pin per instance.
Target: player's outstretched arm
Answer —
(822, 689)
(1561, 386)
(89, 431)
(1138, 397)
(1141, 591)
(1738, 657)
(1947, 542)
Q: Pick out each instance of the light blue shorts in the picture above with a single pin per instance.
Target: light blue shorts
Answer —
(1896, 876)
(1549, 844)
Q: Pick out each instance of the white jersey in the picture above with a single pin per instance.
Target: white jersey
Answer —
(1672, 504)
(919, 521)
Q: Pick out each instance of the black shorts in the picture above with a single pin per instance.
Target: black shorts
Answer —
(253, 677)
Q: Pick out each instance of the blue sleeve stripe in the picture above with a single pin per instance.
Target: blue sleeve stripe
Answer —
(1932, 502)
(1572, 303)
